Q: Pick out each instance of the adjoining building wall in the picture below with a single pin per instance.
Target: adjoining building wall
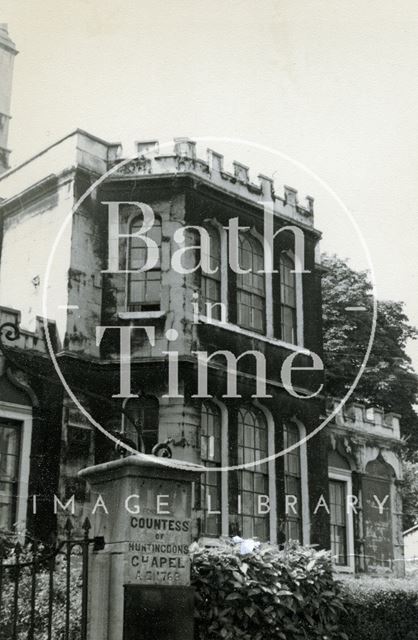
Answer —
(410, 540)
(364, 455)
(29, 231)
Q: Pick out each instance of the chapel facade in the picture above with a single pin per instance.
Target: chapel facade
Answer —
(224, 354)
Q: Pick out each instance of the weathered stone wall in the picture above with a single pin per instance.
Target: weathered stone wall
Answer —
(29, 231)
(370, 443)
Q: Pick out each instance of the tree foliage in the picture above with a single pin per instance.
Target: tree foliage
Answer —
(409, 490)
(389, 381)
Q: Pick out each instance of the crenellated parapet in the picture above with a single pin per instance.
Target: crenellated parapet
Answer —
(155, 159)
(81, 150)
(12, 335)
(365, 420)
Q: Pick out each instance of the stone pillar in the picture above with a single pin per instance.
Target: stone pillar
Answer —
(357, 478)
(139, 584)
(397, 528)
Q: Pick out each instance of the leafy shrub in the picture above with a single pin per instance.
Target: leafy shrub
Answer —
(265, 595)
(41, 599)
(378, 608)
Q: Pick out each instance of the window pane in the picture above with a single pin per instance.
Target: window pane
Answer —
(210, 452)
(287, 299)
(211, 282)
(252, 481)
(248, 502)
(293, 531)
(144, 288)
(10, 432)
(337, 506)
(292, 480)
(153, 290)
(247, 481)
(251, 286)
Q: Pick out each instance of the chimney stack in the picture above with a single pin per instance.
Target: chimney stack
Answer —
(7, 54)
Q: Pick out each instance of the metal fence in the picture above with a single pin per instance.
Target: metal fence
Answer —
(44, 589)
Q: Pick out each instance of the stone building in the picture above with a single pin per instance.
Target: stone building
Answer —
(364, 448)
(321, 492)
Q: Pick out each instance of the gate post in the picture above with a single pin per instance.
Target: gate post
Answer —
(139, 584)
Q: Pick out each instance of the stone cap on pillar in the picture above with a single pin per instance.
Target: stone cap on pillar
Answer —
(144, 465)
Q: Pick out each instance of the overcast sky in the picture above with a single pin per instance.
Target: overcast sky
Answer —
(332, 84)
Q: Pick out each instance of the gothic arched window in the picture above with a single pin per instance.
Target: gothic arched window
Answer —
(251, 295)
(144, 287)
(210, 452)
(292, 483)
(288, 299)
(253, 481)
(211, 282)
(142, 421)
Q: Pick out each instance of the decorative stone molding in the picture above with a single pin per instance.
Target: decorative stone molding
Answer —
(310, 204)
(20, 379)
(267, 187)
(147, 147)
(290, 196)
(94, 154)
(366, 421)
(185, 147)
(215, 161)
(241, 172)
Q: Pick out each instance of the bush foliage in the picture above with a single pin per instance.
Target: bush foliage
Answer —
(268, 594)
(42, 598)
(378, 608)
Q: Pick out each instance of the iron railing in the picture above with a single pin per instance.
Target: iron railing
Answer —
(44, 589)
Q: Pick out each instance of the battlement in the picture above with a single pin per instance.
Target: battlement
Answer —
(367, 420)
(82, 150)
(182, 158)
(13, 335)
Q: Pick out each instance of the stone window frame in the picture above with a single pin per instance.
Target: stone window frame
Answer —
(268, 334)
(284, 305)
(23, 415)
(272, 490)
(244, 288)
(225, 474)
(289, 474)
(304, 480)
(214, 229)
(345, 475)
(251, 472)
(208, 481)
(144, 310)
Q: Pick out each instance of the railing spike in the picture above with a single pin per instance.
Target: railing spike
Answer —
(68, 526)
(86, 526)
